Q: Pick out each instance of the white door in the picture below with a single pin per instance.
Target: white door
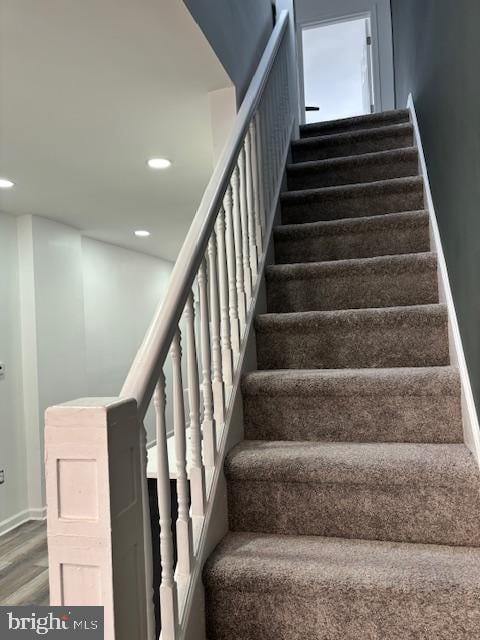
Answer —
(337, 69)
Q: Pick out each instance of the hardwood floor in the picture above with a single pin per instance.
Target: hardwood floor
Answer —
(24, 565)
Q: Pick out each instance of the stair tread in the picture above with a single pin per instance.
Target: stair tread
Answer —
(355, 121)
(258, 562)
(418, 314)
(350, 189)
(363, 158)
(394, 336)
(353, 463)
(352, 237)
(355, 135)
(412, 381)
(391, 264)
(404, 404)
(380, 197)
(365, 224)
(353, 498)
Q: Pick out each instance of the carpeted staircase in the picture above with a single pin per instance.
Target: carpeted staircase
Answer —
(354, 505)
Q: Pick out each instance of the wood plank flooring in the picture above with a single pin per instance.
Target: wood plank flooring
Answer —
(24, 565)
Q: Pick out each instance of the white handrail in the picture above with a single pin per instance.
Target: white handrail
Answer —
(215, 285)
(147, 366)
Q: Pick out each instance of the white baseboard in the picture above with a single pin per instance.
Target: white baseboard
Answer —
(457, 357)
(20, 518)
(38, 514)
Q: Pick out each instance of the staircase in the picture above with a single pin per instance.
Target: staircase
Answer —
(354, 506)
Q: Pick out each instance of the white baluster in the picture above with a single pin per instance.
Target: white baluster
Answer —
(242, 193)
(217, 384)
(197, 471)
(208, 423)
(265, 146)
(285, 101)
(252, 228)
(237, 237)
(233, 304)
(168, 587)
(275, 126)
(280, 114)
(147, 535)
(258, 182)
(266, 150)
(226, 331)
(273, 142)
(184, 523)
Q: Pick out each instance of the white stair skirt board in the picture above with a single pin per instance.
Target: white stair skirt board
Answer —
(457, 356)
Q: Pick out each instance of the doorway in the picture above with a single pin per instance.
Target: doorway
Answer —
(337, 69)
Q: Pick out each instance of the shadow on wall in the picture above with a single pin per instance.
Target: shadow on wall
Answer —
(238, 33)
(436, 54)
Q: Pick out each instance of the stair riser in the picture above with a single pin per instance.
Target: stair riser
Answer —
(348, 346)
(353, 124)
(352, 204)
(322, 150)
(367, 614)
(353, 291)
(404, 513)
(353, 245)
(332, 176)
(354, 418)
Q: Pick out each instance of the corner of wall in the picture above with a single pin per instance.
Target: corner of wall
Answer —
(29, 355)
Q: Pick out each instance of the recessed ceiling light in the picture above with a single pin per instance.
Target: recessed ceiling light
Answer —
(141, 233)
(159, 163)
(5, 183)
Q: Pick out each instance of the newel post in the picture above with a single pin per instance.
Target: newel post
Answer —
(95, 521)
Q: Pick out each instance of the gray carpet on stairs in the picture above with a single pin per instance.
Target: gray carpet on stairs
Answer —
(352, 143)
(370, 167)
(267, 587)
(367, 237)
(394, 337)
(360, 405)
(372, 121)
(352, 201)
(354, 505)
(379, 491)
(387, 281)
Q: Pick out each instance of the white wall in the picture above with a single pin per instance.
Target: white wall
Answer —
(73, 313)
(13, 493)
(59, 312)
(52, 328)
(121, 290)
(223, 111)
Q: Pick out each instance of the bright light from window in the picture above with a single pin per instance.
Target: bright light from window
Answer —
(159, 163)
(5, 183)
(141, 233)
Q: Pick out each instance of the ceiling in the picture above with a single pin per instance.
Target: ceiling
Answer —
(89, 90)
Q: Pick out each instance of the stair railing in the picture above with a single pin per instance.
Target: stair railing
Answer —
(217, 271)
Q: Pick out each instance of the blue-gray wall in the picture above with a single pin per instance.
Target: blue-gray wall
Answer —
(238, 31)
(437, 58)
